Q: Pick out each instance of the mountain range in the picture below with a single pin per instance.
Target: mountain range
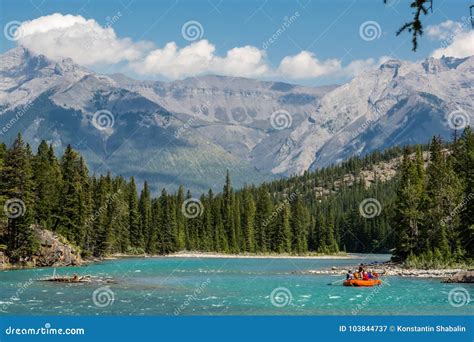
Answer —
(191, 131)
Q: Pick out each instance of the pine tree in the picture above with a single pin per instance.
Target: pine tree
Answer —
(409, 214)
(263, 222)
(137, 241)
(45, 189)
(248, 221)
(17, 189)
(227, 216)
(282, 231)
(440, 192)
(464, 166)
(144, 208)
(180, 220)
(70, 219)
(299, 226)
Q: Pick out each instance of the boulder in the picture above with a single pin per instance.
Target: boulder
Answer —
(55, 250)
(461, 277)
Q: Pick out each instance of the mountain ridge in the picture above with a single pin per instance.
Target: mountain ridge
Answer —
(190, 131)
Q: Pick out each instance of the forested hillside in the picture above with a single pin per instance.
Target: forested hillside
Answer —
(422, 212)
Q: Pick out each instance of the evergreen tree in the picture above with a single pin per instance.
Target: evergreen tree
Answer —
(144, 208)
(263, 222)
(137, 241)
(71, 216)
(248, 221)
(409, 214)
(17, 189)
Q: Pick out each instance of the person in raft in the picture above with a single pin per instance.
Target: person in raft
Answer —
(361, 274)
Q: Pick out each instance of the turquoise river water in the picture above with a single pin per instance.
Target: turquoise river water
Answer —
(224, 286)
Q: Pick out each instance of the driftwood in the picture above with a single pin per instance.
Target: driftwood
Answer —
(73, 279)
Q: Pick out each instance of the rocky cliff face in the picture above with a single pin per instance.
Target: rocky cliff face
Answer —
(191, 131)
(54, 250)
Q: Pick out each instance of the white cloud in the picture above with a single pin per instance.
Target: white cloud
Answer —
(444, 31)
(462, 45)
(59, 36)
(85, 41)
(200, 58)
(359, 66)
(306, 65)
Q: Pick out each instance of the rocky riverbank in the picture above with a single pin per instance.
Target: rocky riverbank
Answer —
(453, 275)
(54, 251)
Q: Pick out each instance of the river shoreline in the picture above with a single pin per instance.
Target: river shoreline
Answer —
(384, 268)
(250, 256)
(396, 270)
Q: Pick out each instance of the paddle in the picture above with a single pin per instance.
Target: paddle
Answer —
(335, 282)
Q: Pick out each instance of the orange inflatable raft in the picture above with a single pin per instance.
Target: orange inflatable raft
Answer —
(360, 282)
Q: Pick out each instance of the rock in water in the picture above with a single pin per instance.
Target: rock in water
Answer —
(461, 277)
(55, 250)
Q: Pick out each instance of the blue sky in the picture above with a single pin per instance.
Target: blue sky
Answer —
(329, 31)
